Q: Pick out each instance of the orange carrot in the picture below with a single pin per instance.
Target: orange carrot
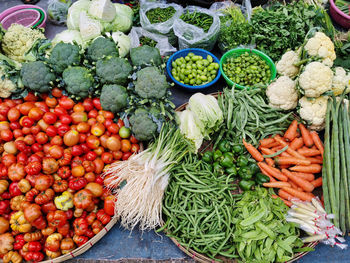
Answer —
(298, 194)
(285, 166)
(266, 151)
(304, 184)
(308, 152)
(306, 176)
(317, 141)
(291, 132)
(289, 150)
(288, 203)
(283, 194)
(277, 184)
(291, 160)
(277, 148)
(293, 185)
(312, 168)
(266, 141)
(305, 134)
(273, 172)
(253, 151)
(317, 182)
(267, 174)
(285, 154)
(270, 162)
(296, 143)
(271, 145)
(315, 160)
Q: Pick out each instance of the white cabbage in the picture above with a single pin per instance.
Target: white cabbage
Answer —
(74, 11)
(122, 41)
(89, 28)
(69, 36)
(103, 10)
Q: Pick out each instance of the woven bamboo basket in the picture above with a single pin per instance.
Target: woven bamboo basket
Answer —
(202, 258)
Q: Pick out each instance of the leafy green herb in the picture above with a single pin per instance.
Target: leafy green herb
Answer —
(160, 15)
(147, 41)
(198, 19)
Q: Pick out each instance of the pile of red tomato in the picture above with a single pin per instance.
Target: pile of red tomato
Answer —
(52, 195)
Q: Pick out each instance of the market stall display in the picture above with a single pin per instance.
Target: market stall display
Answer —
(240, 174)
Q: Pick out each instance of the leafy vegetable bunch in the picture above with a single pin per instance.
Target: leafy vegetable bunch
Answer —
(198, 19)
(160, 15)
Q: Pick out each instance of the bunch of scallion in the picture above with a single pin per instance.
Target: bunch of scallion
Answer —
(143, 179)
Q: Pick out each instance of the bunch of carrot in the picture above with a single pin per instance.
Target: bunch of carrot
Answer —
(291, 162)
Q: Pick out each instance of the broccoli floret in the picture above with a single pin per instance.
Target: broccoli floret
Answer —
(102, 47)
(64, 55)
(78, 81)
(37, 76)
(151, 83)
(145, 56)
(113, 70)
(144, 124)
(113, 98)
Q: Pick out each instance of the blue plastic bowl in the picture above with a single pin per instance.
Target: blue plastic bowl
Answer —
(183, 53)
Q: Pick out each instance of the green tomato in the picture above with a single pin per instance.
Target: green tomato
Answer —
(124, 132)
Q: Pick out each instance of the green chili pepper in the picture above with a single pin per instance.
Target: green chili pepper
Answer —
(261, 178)
(232, 170)
(246, 185)
(218, 168)
(224, 146)
(217, 154)
(254, 168)
(242, 161)
(237, 148)
(227, 160)
(244, 173)
(208, 157)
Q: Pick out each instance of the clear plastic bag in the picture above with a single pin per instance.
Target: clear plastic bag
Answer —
(164, 28)
(165, 48)
(57, 11)
(191, 36)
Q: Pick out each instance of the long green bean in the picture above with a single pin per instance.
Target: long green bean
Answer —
(346, 126)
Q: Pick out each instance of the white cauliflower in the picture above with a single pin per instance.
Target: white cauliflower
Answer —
(340, 81)
(18, 40)
(286, 66)
(314, 111)
(321, 46)
(282, 93)
(316, 79)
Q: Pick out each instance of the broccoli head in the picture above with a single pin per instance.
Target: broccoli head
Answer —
(78, 81)
(64, 55)
(151, 83)
(113, 70)
(102, 47)
(37, 76)
(113, 98)
(145, 56)
(144, 123)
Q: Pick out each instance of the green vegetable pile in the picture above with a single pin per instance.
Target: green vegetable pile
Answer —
(198, 19)
(343, 6)
(247, 70)
(147, 41)
(160, 15)
(194, 70)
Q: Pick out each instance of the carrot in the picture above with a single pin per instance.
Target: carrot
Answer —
(306, 176)
(317, 141)
(285, 154)
(266, 141)
(266, 151)
(267, 174)
(293, 185)
(304, 184)
(298, 194)
(289, 150)
(277, 148)
(270, 162)
(273, 172)
(312, 168)
(296, 143)
(273, 144)
(291, 132)
(288, 203)
(253, 151)
(277, 184)
(291, 160)
(283, 194)
(305, 134)
(315, 160)
(317, 182)
(285, 166)
(308, 152)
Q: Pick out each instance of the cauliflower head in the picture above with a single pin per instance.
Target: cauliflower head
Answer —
(78, 81)
(316, 79)
(321, 46)
(282, 94)
(37, 76)
(341, 81)
(151, 83)
(113, 70)
(18, 40)
(314, 111)
(143, 124)
(114, 98)
(64, 55)
(6, 86)
(285, 66)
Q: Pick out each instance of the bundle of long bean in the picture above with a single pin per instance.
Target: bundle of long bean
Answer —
(198, 19)
(198, 206)
(160, 15)
(247, 115)
(336, 186)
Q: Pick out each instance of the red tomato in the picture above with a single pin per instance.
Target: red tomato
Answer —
(88, 105)
(113, 128)
(90, 177)
(60, 110)
(133, 139)
(34, 158)
(108, 115)
(92, 121)
(107, 157)
(51, 131)
(35, 113)
(97, 129)
(78, 107)
(13, 114)
(99, 165)
(15, 125)
(71, 138)
(90, 156)
(78, 117)
(108, 122)
(77, 150)
(8, 159)
(41, 138)
(17, 133)
(51, 102)
(99, 150)
(35, 129)
(97, 103)
(56, 92)
(65, 119)
(109, 205)
(82, 137)
(56, 152)
(25, 107)
(100, 119)
(26, 122)
(66, 103)
(83, 127)
(93, 114)
(126, 156)
(92, 141)
(30, 97)
(85, 148)
(120, 123)
(117, 155)
(4, 125)
(57, 140)
(43, 125)
(6, 135)
(113, 144)
(62, 129)
(126, 145)
(50, 117)
(36, 147)
(29, 139)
